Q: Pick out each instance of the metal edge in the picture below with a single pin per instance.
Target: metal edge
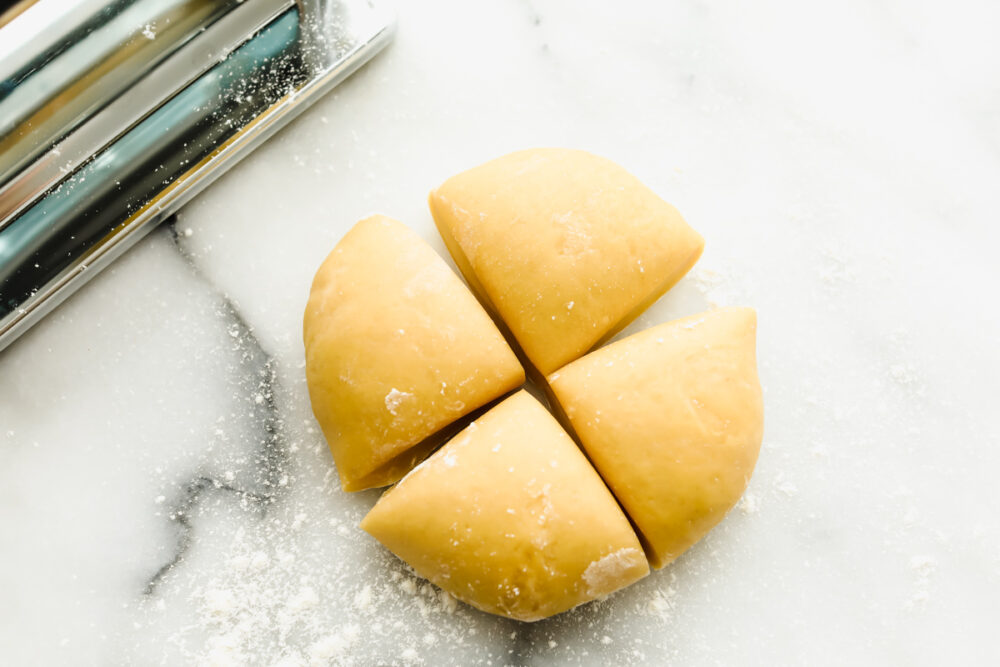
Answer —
(61, 160)
(188, 185)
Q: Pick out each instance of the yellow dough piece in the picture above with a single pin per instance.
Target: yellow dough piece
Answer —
(672, 417)
(397, 348)
(511, 518)
(566, 247)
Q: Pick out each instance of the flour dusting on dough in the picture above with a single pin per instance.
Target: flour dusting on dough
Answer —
(432, 278)
(577, 237)
(394, 398)
(605, 575)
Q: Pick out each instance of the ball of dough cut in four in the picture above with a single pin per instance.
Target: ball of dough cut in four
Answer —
(566, 247)
(397, 349)
(672, 417)
(511, 518)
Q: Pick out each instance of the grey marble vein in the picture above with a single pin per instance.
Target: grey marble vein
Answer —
(270, 457)
(180, 515)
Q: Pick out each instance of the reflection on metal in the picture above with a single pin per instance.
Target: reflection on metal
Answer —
(110, 170)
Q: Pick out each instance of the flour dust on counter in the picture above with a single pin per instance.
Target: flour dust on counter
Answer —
(255, 480)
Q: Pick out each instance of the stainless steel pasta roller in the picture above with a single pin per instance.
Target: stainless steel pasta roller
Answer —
(114, 113)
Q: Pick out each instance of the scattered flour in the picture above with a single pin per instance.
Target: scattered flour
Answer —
(409, 586)
(305, 599)
(749, 504)
(603, 576)
(322, 651)
(785, 487)
(363, 599)
(447, 602)
(835, 269)
(394, 398)
(720, 286)
(219, 604)
(265, 605)
(663, 599)
(923, 568)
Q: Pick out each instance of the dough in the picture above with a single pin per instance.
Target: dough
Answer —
(397, 348)
(566, 247)
(672, 418)
(511, 518)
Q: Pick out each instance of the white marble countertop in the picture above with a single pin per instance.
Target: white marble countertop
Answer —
(166, 498)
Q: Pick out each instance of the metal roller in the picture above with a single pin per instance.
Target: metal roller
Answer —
(113, 114)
